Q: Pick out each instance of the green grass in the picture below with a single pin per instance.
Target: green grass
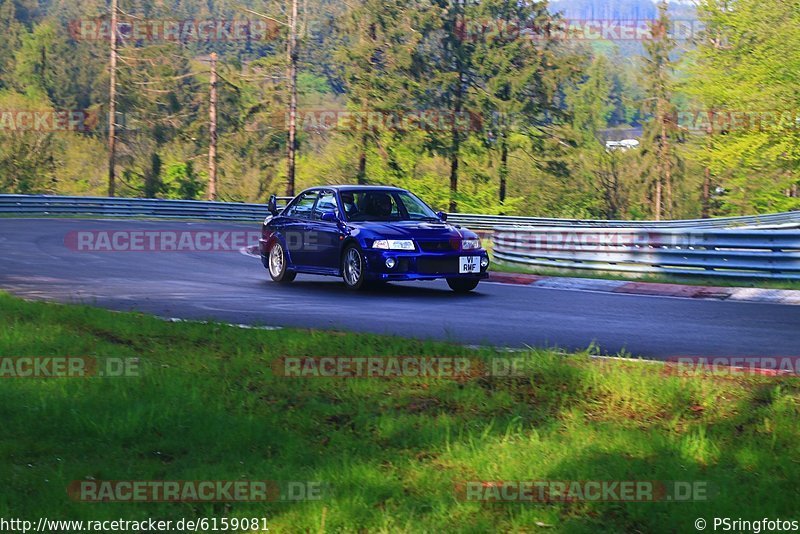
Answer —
(208, 406)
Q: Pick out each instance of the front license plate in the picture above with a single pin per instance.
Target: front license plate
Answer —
(469, 264)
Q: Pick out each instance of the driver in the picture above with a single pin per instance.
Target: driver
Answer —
(349, 204)
(379, 205)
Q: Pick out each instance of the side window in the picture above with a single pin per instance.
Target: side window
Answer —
(301, 208)
(326, 202)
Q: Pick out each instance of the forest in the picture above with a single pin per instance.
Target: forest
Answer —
(478, 106)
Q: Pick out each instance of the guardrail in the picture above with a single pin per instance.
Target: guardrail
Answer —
(703, 246)
(488, 222)
(735, 253)
(130, 207)
(198, 209)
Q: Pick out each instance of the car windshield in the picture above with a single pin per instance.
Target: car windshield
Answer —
(385, 205)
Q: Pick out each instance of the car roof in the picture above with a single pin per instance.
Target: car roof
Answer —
(358, 187)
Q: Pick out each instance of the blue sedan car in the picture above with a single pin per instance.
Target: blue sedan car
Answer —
(369, 234)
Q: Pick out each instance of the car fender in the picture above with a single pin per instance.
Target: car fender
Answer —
(279, 237)
(350, 239)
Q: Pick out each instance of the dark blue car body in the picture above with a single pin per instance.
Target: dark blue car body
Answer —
(320, 233)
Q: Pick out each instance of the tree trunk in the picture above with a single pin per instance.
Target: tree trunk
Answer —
(706, 208)
(657, 200)
(362, 160)
(152, 178)
(457, 108)
(706, 212)
(212, 126)
(112, 104)
(503, 167)
(291, 52)
(659, 166)
(667, 163)
(454, 176)
(456, 145)
(612, 190)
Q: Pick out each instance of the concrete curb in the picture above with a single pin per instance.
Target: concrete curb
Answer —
(251, 251)
(737, 294)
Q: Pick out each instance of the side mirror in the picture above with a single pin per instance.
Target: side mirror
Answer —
(329, 216)
(442, 215)
(272, 205)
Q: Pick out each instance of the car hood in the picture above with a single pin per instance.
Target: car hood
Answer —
(412, 230)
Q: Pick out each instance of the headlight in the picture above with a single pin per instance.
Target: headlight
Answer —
(393, 244)
(470, 244)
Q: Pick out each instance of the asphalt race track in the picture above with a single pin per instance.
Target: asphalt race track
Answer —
(229, 286)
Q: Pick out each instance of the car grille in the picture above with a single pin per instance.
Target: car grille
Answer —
(437, 265)
(439, 245)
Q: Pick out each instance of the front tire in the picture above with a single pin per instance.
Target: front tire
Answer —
(462, 285)
(277, 264)
(353, 268)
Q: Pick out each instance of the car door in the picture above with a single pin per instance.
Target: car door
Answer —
(298, 222)
(324, 237)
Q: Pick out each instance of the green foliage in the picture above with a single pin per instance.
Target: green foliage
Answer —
(48, 64)
(10, 34)
(311, 84)
(663, 163)
(28, 159)
(744, 78)
(540, 110)
(590, 102)
(182, 182)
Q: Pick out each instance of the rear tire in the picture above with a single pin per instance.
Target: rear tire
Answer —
(277, 264)
(353, 268)
(462, 285)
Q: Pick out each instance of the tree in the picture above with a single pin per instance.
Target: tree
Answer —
(660, 133)
(377, 62)
(744, 76)
(591, 104)
(515, 77)
(10, 34)
(28, 157)
(164, 96)
(48, 64)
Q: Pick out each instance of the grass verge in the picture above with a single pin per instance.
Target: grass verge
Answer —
(207, 406)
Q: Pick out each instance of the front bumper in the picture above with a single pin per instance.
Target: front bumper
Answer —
(420, 265)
